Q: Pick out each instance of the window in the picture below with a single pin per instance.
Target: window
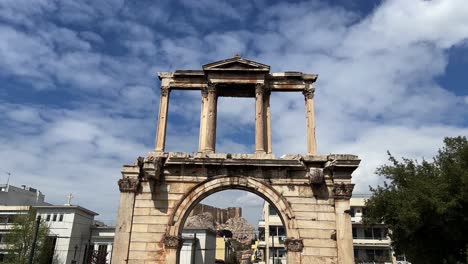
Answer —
(377, 232)
(352, 212)
(2, 257)
(368, 233)
(356, 253)
(61, 218)
(2, 237)
(261, 234)
(54, 218)
(354, 232)
(48, 218)
(370, 253)
(272, 210)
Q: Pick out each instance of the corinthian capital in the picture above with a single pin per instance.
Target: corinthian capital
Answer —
(259, 88)
(343, 190)
(212, 87)
(309, 93)
(128, 185)
(164, 90)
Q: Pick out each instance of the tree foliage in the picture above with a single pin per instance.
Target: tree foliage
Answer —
(19, 240)
(425, 205)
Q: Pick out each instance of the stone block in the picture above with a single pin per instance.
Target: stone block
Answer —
(140, 228)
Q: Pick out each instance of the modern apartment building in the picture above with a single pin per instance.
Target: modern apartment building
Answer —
(371, 243)
(272, 234)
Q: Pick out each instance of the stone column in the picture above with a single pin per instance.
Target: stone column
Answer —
(310, 119)
(128, 187)
(162, 119)
(259, 119)
(204, 99)
(211, 112)
(267, 119)
(344, 232)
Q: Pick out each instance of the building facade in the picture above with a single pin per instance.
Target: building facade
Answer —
(271, 238)
(198, 246)
(73, 231)
(372, 244)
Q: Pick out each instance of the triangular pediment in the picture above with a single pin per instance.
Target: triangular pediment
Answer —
(236, 63)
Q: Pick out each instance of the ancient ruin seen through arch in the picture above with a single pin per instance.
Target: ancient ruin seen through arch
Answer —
(311, 192)
(233, 225)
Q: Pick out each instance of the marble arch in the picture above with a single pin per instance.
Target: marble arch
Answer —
(310, 191)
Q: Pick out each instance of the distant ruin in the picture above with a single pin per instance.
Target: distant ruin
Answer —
(219, 215)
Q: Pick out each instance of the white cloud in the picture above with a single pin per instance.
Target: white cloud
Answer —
(376, 89)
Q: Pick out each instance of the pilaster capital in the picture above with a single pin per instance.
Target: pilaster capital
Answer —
(309, 93)
(128, 185)
(294, 245)
(165, 90)
(173, 242)
(343, 190)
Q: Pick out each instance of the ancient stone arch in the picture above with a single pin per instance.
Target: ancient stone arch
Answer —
(220, 183)
(311, 192)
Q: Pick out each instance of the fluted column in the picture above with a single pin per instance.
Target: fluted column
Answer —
(310, 119)
(267, 120)
(162, 119)
(259, 119)
(208, 119)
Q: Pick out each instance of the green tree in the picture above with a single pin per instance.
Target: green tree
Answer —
(19, 240)
(425, 205)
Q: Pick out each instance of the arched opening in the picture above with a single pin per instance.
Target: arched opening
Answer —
(233, 226)
(217, 184)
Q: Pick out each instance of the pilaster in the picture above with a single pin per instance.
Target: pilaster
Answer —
(342, 193)
(128, 187)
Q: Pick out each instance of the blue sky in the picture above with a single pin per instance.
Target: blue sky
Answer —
(79, 93)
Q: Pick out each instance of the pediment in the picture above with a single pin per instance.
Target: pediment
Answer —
(236, 63)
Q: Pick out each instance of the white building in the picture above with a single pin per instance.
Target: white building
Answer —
(198, 246)
(73, 230)
(102, 240)
(70, 227)
(272, 235)
(371, 243)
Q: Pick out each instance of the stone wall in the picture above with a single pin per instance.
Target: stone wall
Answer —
(311, 195)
